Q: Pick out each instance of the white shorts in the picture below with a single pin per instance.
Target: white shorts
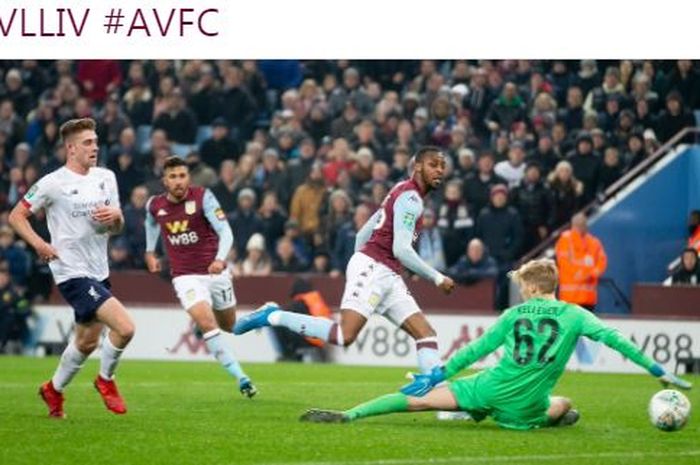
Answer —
(372, 287)
(216, 290)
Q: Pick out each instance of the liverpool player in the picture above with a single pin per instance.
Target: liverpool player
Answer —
(373, 276)
(197, 239)
(81, 202)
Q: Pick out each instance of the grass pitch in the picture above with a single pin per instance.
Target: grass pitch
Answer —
(192, 413)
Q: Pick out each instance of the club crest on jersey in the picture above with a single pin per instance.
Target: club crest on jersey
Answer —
(190, 207)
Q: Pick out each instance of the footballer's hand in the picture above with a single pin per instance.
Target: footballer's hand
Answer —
(670, 378)
(152, 262)
(216, 267)
(46, 251)
(667, 378)
(423, 383)
(107, 216)
(447, 285)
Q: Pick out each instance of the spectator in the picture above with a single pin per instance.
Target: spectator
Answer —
(273, 220)
(513, 169)
(689, 271)
(684, 80)
(572, 115)
(455, 221)
(344, 245)
(339, 212)
(302, 249)
(429, 244)
(596, 98)
(532, 200)
(119, 257)
(134, 232)
(477, 187)
(224, 189)
(99, 78)
(19, 94)
(475, 266)
(351, 91)
(257, 262)
(244, 221)
(237, 104)
(636, 152)
(270, 176)
(506, 110)
(177, 120)
(544, 155)
(566, 194)
(321, 262)
(298, 169)
(15, 257)
(586, 166)
(219, 146)
(611, 170)
(344, 125)
(673, 119)
(499, 226)
(582, 261)
(307, 200)
(286, 260)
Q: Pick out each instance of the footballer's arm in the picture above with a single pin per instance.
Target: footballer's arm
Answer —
(407, 209)
(216, 217)
(19, 220)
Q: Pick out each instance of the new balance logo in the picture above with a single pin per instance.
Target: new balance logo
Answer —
(176, 227)
(93, 293)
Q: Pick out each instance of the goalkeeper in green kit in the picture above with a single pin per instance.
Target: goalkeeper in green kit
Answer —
(538, 337)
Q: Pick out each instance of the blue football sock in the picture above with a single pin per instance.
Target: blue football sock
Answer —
(223, 353)
(304, 325)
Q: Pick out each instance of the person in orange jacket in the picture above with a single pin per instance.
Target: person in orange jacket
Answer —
(582, 260)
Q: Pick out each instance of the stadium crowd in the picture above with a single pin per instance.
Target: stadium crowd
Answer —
(300, 153)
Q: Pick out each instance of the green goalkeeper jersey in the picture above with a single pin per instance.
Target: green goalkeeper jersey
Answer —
(538, 337)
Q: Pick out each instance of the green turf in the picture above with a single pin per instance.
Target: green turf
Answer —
(193, 413)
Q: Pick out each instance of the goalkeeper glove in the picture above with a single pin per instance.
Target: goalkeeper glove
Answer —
(667, 378)
(424, 383)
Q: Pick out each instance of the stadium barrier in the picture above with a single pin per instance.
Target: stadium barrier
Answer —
(165, 334)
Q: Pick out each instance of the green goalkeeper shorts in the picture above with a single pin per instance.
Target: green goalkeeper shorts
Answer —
(474, 396)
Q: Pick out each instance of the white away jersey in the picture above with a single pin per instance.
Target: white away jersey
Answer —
(69, 199)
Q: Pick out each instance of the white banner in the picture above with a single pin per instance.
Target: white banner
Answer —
(224, 29)
(165, 334)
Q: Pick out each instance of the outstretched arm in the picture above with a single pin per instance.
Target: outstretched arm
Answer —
(595, 329)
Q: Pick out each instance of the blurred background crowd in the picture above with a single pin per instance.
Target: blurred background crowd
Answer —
(301, 153)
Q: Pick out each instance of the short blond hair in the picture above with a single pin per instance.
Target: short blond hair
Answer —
(542, 274)
(74, 126)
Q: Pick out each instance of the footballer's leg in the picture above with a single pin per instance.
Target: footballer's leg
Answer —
(113, 314)
(209, 323)
(560, 412)
(418, 327)
(86, 339)
(438, 399)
